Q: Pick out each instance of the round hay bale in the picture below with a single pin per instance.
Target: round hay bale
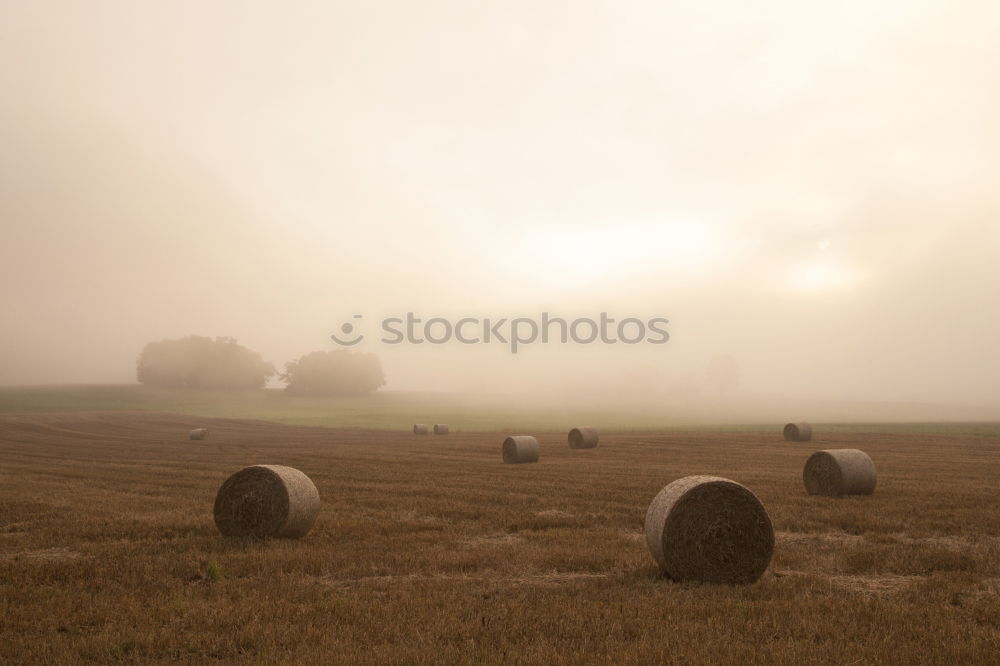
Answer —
(440, 428)
(837, 472)
(198, 433)
(265, 501)
(419, 429)
(798, 432)
(584, 437)
(709, 529)
(520, 449)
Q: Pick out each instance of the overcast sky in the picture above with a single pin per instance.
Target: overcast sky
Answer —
(811, 188)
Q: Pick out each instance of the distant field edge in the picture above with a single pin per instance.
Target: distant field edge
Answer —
(399, 410)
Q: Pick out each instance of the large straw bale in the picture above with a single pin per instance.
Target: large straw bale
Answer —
(520, 449)
(710, 529)
(798, 432)
(265, 501)
(583, 437)
(837, 472)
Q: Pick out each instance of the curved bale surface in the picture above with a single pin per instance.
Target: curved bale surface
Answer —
(265, 501)
(419, 429)
(198, 433)
(798, 432)
(710, 529)
(440, 428)
(584, 437)
(837, 472)
(520, 449)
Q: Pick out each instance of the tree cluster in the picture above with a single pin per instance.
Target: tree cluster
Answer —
(222, 363)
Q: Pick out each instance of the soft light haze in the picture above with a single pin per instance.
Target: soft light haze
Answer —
(811, 188)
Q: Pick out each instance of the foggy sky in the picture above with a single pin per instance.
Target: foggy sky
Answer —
(811, 189)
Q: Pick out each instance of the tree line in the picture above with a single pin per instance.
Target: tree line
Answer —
(223, 363)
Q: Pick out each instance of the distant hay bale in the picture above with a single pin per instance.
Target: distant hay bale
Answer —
(419, 429)
(710, 529)
(440, 428)
(798, 432)
(198, 433)
(583, 438)
(837, 472)
(265, 501)
(520, 449)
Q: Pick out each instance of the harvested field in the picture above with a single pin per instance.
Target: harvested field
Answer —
(443, 554)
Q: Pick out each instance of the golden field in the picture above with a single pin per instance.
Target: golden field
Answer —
(430, 550)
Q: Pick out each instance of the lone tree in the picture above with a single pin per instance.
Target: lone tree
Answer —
(200, 362)
(337, 372)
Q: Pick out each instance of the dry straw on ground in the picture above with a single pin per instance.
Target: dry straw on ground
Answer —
(520, 449)
(419, 429)
(798, 432)
(583, 437)
(266, 501)
(440, 428)
(198, 433)
(710, 529)
(837, 472)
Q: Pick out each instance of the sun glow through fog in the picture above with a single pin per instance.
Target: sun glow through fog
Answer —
(824, 273)
(564, 257)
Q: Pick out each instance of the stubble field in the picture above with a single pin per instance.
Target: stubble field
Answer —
(430, 550)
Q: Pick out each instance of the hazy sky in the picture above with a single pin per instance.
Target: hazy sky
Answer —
(811, 188)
